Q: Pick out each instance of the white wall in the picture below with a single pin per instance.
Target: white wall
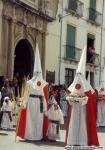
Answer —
(82, 29)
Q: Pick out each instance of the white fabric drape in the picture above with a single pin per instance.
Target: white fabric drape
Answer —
(55, 115)
(77, 134)
(34, 118)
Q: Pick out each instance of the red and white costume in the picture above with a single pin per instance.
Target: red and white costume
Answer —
(33, 120)
(6, 122)
(55, 116)
(81, 115)
(101, 103)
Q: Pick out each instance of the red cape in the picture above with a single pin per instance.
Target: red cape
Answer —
(90, 118)
(21, 125)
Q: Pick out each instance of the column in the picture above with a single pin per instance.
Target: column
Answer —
(1, 66)
(10, 57)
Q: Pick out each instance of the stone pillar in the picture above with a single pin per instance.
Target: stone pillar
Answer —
(5, 42)
(10, 57)
(1, 66)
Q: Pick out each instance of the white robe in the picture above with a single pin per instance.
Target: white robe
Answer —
(55, 115)
(77, 134)
(101, 113)
(34, 118)
(63, 102)
(6, 123)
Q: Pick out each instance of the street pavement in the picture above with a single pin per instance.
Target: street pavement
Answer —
(7, 142)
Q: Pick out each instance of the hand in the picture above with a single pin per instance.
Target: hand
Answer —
(45, 113)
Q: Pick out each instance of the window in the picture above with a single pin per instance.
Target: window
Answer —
(69, 76)
(72, 5)
(90, 48)
(93, 4)
(92, 13)
(70, 46)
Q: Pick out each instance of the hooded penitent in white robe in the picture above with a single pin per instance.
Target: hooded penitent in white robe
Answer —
(55, 118)
(101, 113)
(32, 123)
(81, 117)
(101, 105)
(34, 117)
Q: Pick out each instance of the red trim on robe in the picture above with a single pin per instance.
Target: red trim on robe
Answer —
(22, 119)
(45, 121)
(22, 123)
(68, 120)
(90, 118)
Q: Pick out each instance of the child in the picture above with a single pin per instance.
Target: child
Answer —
(55, 117)
(6, 122)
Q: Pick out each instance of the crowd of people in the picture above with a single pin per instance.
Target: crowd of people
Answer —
(11, 92)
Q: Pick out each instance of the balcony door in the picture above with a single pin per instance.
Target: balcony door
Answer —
(93, 4)
(70, 48)
(92, 14)
(73, 5)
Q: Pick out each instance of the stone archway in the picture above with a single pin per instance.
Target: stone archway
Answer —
(24, 58)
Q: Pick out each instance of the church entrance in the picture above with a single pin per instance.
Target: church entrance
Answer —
(24, 59)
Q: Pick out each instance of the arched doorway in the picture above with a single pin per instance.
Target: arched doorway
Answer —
(24, 58)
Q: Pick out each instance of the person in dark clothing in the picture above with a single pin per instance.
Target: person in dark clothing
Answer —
(90, 54)
(2, 78)
(15, 89)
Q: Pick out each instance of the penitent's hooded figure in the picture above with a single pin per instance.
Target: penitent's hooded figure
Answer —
(81, 115)
(33, 122)
(101, 102)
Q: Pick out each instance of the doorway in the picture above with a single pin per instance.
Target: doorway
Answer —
(24, 59)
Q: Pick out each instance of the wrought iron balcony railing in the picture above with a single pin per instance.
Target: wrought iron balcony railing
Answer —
(75, 7)
(72, 53)
(93, 60)
(94, 16)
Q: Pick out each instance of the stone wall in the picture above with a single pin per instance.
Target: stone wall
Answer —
(16, 23)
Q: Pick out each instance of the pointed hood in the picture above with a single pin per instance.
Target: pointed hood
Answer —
(37, 64)
(82, 64)
(37, 80)
(80, 85)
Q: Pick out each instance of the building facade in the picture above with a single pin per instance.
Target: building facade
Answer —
(79, 23)
(22, 24)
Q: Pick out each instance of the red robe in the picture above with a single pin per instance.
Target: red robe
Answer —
(90, 119)
(21, 125)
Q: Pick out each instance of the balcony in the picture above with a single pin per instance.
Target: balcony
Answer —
(44, 8)
(94, 17)
(72, 53)
(75, 7)
(49, 8)
(93, 60)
